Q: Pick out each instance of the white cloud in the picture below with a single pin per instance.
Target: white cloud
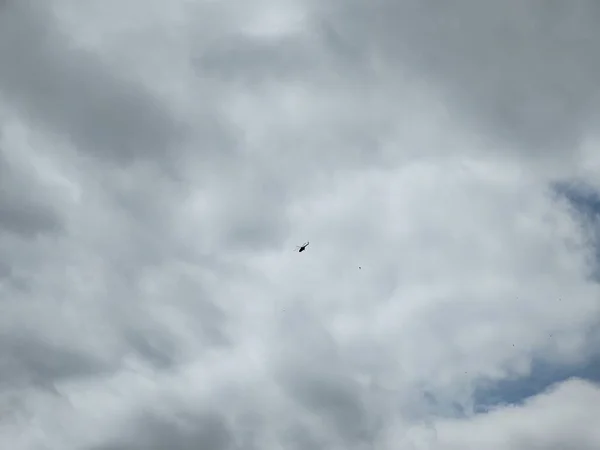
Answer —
(555, 419)
(157, 172)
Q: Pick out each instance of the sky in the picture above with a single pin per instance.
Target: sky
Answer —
(161, 159)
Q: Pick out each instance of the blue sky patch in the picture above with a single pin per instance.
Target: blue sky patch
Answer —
(543, 376)
(586, 204)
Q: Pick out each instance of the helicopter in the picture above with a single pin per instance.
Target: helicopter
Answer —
(301, 248)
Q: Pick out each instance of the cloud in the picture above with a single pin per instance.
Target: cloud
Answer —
(72, 92)
(159, 165)
(23, 214)
(525, 72)
(541, 377)
(186, 432)
(567, 410)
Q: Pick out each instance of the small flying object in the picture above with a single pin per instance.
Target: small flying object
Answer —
(302, 247)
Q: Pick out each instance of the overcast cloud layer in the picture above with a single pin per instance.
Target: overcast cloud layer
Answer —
(160, 160)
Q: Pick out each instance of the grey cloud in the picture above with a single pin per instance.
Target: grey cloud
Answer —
(524, 72)
(10, 277)
(26, 218)
(303, 438)
(181, 431)
(159, 350)
(317, 54)
(527, 72)
(241, 57)
(161, 346)
(5, 270)
(23, 209)
(29, 361)
(337, 401)
(210, 318)
(247, 206)
(73, 92)
(313, 375)
(182, 289)
(253, 216)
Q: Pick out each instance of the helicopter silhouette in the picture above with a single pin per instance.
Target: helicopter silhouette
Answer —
(301, 248)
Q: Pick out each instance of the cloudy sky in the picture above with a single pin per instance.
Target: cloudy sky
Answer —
(161, 159)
